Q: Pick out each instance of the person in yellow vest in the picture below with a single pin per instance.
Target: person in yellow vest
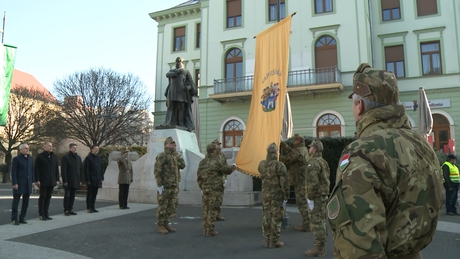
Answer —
(451, 182)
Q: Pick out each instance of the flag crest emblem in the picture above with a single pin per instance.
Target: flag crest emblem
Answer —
(269, 97)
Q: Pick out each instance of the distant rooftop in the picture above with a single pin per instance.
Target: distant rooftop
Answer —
(190, 2)
(23, 79)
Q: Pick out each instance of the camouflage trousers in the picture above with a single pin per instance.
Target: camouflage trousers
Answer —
(210, 203)
(301, 202)
(167, 204)
(273, 215)
(318, 220)
(220, 199)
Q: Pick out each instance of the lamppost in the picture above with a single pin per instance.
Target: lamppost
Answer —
(106, 117)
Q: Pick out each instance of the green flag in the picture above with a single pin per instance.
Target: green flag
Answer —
(7, 56)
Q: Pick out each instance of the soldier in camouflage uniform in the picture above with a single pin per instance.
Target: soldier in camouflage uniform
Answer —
(167, 175)
(209, 176)
(317, 188)
(221, 156)
(388, 192)
(296, 162)
(275, 192)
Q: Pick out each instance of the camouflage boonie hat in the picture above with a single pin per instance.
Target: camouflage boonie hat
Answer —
(272, 148)
(375, 85)
(216, 142)
(298, 137)
(210, 147)
(124, 151)
(317, 144)
(169, 140)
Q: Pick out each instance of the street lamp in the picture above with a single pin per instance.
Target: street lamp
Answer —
(106, 117)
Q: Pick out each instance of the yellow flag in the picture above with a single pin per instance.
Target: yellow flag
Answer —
(268, 95)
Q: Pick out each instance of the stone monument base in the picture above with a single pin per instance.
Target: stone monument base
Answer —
(143, 189)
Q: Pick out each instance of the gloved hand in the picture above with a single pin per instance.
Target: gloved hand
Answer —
(225, 183)
(284, 203)
(161, 189)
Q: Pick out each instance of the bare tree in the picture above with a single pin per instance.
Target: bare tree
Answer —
(101, 103)
(29, 114)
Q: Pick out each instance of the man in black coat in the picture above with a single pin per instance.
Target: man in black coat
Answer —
(46, 177)
(22, 179)
(71, 167)
(94, 178)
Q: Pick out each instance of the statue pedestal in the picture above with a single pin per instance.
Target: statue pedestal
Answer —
(144, 188)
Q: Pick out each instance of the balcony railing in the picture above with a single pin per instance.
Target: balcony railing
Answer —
(298, 78)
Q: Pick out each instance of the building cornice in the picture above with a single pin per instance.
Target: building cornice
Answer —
(176, 12)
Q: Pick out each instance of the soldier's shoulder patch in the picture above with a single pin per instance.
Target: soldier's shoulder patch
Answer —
(333, 207)
(344, 162)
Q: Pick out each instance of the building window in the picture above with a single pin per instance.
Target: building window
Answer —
(323, 6)
(427, 7)
(431, 58)
(273, 10)
(394, 58)
(328, 125)
(233, 13)
(441, 132)
(390, 10)
(197, 78)
(179, 38)
(233, 134)
(234, 70)
(325, 60)
(198, 36)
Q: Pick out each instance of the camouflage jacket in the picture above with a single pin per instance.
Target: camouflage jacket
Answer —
(318, 172)
(388, 194)
(210, 172)
(275, 185)
(296, 160)
(167, 166)
(224, 161)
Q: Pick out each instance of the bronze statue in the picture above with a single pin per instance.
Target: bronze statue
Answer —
(179, 94)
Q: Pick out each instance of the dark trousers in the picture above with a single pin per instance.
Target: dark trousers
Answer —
(123, 195)
(44, 200)
(91, 197)
(451, 198)
(69, 198)
(25, 205)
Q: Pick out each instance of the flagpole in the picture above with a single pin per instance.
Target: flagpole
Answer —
(285, 222)
(3, 29)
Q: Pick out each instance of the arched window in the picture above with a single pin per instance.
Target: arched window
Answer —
(441, 131)
(328, 125)
(325, 59)
(233, 70)
(233, 134)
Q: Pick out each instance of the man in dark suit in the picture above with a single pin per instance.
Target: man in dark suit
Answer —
(22, 178)
(71, 168)
(46, 177)
(94, 178)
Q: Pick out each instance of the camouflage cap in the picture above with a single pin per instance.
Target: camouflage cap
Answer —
(375, 85)
(317, 144)
(169, 140)
(272, 148)
(299, 138)
(216, 142)
(210, 148)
